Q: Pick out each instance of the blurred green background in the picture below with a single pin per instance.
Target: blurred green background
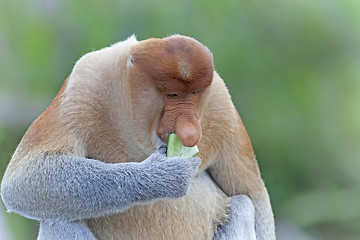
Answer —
(292, 67)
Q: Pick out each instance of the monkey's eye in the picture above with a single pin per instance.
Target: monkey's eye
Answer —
(172, 95)
(196, 92)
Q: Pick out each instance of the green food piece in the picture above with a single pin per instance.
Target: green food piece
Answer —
(175, 148)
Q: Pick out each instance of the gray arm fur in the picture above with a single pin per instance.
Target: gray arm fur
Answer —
(65, 231)
(241, 222)
(69, 188)
(61, 190)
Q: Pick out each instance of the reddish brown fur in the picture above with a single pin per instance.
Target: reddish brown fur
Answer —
(181, 67)
(46, 127)
(175, 64)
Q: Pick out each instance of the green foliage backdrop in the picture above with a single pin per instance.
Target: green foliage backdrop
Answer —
(292, 67)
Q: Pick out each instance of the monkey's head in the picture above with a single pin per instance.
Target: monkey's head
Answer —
(179, 69)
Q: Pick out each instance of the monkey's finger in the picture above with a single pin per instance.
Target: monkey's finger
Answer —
(162, 149)
(196, 161)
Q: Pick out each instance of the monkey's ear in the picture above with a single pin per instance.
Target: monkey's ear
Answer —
(132, 59)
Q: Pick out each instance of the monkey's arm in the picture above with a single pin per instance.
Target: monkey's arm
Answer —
(241, 222)
(234, 168)
(68, 188)
(236, 172)
(64, 231)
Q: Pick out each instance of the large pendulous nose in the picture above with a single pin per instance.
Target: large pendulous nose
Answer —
(188, 130)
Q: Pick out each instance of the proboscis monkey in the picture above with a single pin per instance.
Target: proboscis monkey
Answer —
(92, 166)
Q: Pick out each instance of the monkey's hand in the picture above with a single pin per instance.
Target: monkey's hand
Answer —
(241, 222)
(169, 177)
(69, 188)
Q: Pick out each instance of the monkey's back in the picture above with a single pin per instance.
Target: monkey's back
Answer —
(194, 216)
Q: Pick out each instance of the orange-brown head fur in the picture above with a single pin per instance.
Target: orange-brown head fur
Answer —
(180, 68)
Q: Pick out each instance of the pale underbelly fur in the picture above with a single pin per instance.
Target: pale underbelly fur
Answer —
(194, 216)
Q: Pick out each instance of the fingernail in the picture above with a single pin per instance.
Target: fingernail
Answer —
(163, 148)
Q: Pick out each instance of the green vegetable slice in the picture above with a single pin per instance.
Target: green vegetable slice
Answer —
(175, 148)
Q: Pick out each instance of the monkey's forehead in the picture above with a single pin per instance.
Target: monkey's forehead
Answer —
(175, 58)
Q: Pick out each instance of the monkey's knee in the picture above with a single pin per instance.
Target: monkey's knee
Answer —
(241, 222)
(243, 207)
(65, 230)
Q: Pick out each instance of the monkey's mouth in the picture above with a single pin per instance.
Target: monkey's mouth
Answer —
(185, 125)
